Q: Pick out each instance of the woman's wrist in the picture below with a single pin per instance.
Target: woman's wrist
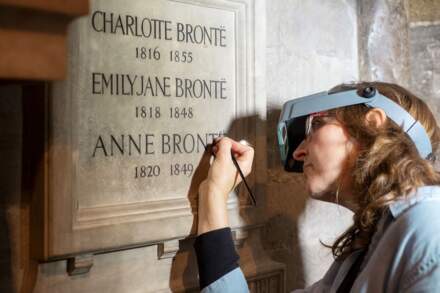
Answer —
(212, 211)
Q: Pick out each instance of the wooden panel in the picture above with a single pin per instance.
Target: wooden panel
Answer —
(33, 35)
(68, 7)
(273, 282)
(32, 55)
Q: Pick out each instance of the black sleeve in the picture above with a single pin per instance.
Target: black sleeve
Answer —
(216, 255)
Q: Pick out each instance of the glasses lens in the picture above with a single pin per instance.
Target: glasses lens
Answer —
(309, 122)
(309, 125)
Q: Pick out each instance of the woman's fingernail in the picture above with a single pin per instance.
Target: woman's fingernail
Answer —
(245, 142)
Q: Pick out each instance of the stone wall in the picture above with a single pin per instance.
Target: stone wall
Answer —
(424, 46)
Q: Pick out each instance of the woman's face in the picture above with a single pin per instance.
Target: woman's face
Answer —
(328, 153)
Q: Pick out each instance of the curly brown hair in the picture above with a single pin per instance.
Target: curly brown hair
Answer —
(388, 166)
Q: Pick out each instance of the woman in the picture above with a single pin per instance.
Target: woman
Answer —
(358, 157)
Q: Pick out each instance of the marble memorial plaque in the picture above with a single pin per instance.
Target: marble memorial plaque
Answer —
(150, 84)
(157, 85)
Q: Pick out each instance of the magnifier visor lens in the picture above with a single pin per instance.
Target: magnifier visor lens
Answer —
(283, 142)
(290, 134)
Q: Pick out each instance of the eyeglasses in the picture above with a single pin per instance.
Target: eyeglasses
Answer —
(313, 126)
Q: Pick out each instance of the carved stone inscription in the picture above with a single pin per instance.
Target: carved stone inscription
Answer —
(156, 82)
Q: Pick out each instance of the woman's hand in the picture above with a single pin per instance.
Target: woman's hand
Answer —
(223, 174)
(222, 178)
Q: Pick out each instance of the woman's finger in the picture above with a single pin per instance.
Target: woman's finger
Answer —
(240, 147)
(226, 146)
(223, 148)
(241, 152)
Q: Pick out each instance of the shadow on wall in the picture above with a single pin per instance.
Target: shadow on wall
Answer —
(280, 202)
(187, 271)
(285, 203)
(183, 275)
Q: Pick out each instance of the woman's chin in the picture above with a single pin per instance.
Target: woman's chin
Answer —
(318, 192)
(313, 191)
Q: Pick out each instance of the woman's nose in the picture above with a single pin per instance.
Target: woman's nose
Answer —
(300, 152)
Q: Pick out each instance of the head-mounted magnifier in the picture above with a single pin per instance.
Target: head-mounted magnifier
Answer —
(291, 125)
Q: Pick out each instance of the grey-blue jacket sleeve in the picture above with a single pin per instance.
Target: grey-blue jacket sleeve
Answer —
(218, 263)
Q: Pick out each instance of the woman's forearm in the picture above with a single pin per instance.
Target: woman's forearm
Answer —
(212, 212)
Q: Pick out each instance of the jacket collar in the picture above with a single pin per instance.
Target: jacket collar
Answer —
(424, 193)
